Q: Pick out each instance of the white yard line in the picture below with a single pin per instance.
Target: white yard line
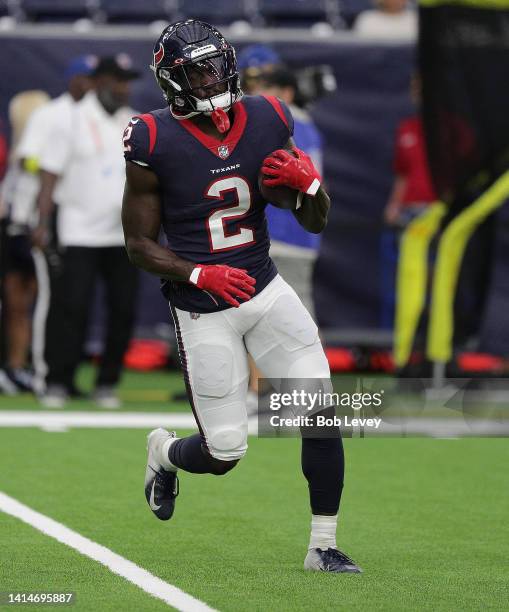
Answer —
(146, 581)
(62, 420)
(118, 420)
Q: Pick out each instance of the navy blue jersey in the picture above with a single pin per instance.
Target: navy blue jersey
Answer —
(212, 209)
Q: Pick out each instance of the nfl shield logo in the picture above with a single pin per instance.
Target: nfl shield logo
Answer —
(223, 151)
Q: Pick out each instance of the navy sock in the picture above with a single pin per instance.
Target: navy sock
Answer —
(190, 455)
(323, 465)
(187, 454)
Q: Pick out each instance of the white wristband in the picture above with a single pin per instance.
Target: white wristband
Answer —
(314, 187)
(195, 274)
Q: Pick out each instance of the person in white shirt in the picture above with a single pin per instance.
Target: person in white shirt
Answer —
(391, 20)
(33, 115)
(22, 189)
(18, 274)
(35, 136)
(82, 170)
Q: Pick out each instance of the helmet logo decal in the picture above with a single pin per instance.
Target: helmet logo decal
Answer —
(179, 60)
(203, 51)
(158, 55)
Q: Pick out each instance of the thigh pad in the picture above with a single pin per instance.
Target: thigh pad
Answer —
(211, 370)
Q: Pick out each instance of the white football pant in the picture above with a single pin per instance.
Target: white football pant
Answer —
(280, 335)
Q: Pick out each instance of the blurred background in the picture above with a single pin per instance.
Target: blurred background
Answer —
(403, 120)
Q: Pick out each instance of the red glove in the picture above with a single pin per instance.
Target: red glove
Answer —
(282, 168)
(226, 282)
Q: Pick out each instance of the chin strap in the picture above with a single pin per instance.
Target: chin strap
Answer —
(221, 120)
(179, 117)
(218, 116)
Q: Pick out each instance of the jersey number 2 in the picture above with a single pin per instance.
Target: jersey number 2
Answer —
(219, 239)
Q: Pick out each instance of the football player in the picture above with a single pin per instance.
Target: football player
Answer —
(192, 168)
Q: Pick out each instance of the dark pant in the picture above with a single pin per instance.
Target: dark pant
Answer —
(72, 290)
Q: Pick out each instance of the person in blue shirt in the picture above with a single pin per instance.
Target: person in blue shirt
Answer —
(293, 249)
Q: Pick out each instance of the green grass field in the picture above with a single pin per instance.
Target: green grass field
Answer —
(140, 392)
(426, 519)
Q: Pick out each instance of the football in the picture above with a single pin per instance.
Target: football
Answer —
(280, 196)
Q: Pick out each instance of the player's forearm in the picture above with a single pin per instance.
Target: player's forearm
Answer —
(397, 192)
(152, 257)
(313, 212)
(395, 203)
(44, 202)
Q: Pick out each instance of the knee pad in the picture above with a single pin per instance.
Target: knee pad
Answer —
(310, 362)
(211, 370)
(227, 444)
(315, 394)
(291, 323)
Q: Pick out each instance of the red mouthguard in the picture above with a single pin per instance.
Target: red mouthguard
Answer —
(221, 120)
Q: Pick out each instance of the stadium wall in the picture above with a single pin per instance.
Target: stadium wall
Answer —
(355, 269)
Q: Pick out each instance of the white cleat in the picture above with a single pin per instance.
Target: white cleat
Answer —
(161, 485)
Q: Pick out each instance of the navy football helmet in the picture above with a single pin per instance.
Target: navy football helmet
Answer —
(196, 68)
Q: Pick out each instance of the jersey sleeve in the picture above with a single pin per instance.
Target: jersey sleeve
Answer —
(282, 117)
(137, 141)
(288, 117)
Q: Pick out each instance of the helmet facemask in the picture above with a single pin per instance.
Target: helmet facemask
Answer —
(202, 85)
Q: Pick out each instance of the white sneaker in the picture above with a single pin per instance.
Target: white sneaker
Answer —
(106, 397)
(55, 396)
(161, 485)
